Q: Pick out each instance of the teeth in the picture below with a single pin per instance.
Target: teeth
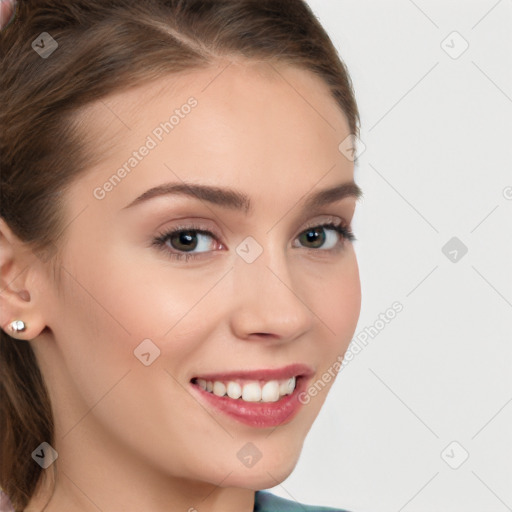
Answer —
(251, 392)
(234, 390)
(219, 388)
(270, 391)
(290, 386)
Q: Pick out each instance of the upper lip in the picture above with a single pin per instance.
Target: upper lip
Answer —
(285, 372)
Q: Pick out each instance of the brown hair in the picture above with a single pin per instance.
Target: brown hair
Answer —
(105, 47)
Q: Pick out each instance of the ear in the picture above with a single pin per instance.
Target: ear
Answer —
(19, 275)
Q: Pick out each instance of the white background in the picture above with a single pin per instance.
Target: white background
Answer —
(438, 158)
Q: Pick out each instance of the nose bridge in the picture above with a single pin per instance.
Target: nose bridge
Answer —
(266, 300)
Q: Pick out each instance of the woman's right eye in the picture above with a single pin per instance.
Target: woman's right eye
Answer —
(180, 243)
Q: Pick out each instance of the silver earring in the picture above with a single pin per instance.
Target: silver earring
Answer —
(17, 326)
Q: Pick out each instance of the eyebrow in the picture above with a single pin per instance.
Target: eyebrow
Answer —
(235, 200)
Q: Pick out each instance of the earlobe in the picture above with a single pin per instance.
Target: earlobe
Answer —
(17, 326)
(19, 317)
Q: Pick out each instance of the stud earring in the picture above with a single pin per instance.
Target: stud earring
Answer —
(17, 326)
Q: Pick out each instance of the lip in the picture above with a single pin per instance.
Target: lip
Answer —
(286, 372)
(257, 414)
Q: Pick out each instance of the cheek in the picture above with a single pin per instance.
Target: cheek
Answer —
(338, 300)
(339, 305)
(106, 317)
(132, 295)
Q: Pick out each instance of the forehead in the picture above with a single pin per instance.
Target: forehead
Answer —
(253, 124)
(262, 97)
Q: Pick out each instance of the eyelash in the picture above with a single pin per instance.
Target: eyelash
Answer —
(160, 241)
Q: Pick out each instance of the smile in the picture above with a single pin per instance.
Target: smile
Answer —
(249, 391)
(259, 398)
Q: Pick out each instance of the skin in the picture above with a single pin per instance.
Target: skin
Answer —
(6, 12)
(132, 437)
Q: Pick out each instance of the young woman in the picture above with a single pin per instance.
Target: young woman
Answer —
(178, 280)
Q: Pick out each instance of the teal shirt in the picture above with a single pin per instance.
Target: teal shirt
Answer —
(266, 502)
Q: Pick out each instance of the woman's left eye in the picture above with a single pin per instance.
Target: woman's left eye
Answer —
(191, 241)
(330, 241)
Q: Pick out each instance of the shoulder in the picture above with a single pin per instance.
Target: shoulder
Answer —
(267, 502)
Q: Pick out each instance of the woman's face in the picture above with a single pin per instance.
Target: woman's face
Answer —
(140, 319)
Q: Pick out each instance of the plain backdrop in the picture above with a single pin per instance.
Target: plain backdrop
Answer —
(420, 420)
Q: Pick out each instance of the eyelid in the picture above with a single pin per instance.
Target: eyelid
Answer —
(324, 218)
(190, 226)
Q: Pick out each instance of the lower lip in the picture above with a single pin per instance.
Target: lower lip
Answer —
(257, 414)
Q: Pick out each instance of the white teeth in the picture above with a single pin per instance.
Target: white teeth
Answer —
(270, 391)
(291, 386)
(219, 388)
(234, 390)
(251, 392)
(286, 387)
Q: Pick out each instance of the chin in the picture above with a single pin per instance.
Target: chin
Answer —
(262, 475)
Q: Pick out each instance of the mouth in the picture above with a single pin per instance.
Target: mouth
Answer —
(249, 390)
(260, 398)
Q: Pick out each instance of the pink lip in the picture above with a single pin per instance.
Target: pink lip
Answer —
(258, 414)
(286, 372)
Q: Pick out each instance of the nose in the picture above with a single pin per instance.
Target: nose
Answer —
(268, 301)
